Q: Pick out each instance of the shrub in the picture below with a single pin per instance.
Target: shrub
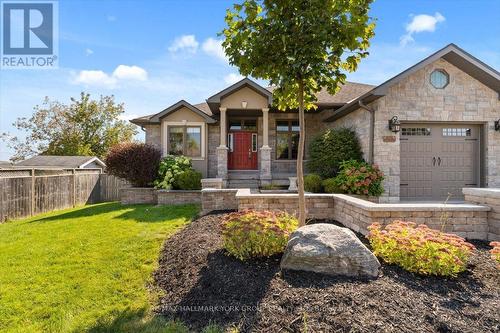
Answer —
(253, 234)
(188, 180)
(170, 168)
(330, 186)
(312, 183)
(136, 162)
(360, 178)
(495, 252)
(420, 249)
(328, 150)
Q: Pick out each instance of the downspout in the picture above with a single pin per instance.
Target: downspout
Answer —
(371, 130)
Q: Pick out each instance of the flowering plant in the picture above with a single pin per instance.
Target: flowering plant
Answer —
(495, 252)
(420, 249)
(170, 168)
(250, 234)
(360, 178)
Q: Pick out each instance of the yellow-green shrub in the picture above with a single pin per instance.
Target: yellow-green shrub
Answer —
(251, 234)
(420, 249)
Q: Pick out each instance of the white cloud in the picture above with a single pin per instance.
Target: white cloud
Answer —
(95, 78)
(88, 52)
(99, 78)
(124, 72)
(213, 47)
(421, 23)
(187, 43)
(232, 78)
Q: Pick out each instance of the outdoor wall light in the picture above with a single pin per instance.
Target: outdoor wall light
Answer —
(394, 124)
(244, 104)
(497, 125)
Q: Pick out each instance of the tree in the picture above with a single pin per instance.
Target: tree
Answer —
(84, 127)
(300, 46)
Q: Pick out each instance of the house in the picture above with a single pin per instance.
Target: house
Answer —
(62, 162)
(433, 129)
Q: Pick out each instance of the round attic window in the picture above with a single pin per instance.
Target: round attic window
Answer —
(439, 79)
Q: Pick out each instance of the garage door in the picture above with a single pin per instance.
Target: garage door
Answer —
(437, 161)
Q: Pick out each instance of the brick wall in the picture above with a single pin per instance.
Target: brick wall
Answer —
(468, 221)
(318, 206)
(167, 197)
(138, 195)
(218, 199)
(491, 198)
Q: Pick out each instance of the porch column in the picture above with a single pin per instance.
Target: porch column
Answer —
(222, 150)
(265, 151)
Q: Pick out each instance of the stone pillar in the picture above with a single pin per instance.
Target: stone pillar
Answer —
(265, 151)
(222, 150)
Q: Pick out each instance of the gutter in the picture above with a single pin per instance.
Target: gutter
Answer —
(371, 130)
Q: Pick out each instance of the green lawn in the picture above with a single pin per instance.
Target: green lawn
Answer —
(84, 269)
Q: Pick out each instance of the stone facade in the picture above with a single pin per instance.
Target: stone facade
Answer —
(138, 195)
(153, 135)
(218, 199)
(167, 197)
(491, 198)
(415, 100)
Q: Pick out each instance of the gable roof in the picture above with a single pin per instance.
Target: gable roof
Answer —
(214, 100)
(52, 161)
(452, 54)
(156, 118)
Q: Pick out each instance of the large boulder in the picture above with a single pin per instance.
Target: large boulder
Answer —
(329, 249)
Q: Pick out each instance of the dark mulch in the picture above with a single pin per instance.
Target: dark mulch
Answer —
(203, 285)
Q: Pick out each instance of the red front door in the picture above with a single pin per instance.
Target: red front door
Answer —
(244, 153)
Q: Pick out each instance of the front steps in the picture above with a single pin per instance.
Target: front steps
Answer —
(243, 179)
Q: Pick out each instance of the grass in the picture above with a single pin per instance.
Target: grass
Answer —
(85, 269)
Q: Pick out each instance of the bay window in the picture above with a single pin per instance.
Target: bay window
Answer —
(184, 140)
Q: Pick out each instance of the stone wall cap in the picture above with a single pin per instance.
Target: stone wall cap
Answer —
(482, 192)
(220, 190)
(416, 207)
(179, 191)
(246, 193)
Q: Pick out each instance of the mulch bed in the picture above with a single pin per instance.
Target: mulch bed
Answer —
(203, 285)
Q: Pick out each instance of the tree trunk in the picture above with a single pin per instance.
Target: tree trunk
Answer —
(300, 157)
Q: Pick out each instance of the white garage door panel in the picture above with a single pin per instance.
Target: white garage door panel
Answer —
(437, 161)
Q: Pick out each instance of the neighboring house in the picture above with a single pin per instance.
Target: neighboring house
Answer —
(62, 162)
(447, 105)
(5, 165)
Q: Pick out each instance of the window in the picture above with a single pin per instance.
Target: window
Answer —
(439, 79)
(243, 125)
(184, 140)
(287, 139)
(254, 142)
(457, 132)
(413, 131)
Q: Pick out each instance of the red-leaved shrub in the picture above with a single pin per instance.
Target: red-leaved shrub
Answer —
(136, 162)
(420, 249)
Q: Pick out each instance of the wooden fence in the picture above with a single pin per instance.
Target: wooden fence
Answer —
(25, 193)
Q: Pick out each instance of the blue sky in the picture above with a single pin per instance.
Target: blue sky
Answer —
(150, 54)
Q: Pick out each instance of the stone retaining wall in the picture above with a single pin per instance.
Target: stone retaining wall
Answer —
(489, 197)
(177, 197)
(218, 199)
(138, 195)
(466, 220)
(318, 206)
